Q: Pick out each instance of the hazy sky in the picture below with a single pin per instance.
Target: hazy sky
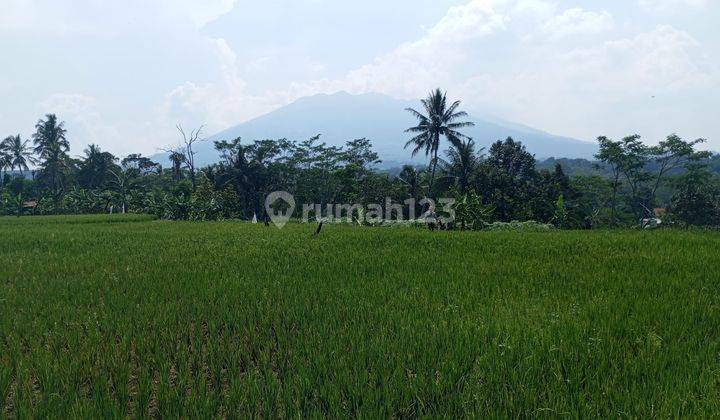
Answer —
(123, 73)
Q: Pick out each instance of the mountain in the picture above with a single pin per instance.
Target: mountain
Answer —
(25, 174)
(341, 117)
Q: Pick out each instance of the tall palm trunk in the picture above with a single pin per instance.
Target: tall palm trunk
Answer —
(432, 173)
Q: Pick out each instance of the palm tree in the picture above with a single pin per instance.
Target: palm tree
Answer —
(410, 178)
(52, 147)
(440, 121)
(177, 160)
(95, 167)
(19, 153)
(461, 164)
(4, 161)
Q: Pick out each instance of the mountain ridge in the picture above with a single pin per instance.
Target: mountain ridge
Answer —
(340, 117)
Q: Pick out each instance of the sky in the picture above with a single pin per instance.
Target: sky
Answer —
(123, 73)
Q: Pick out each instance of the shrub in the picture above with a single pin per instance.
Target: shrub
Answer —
(529, 226)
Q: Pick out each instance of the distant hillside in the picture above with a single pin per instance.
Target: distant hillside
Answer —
(584, 167)
(576, 167)
(341, 117)
(25, 174)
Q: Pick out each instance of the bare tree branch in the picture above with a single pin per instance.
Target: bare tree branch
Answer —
(186, 149)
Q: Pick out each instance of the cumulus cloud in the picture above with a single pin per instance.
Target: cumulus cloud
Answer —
(414, 67)
(663, 59)
(219, 104)
(557, 85)
(406, 71)
(621, 86)
(539, 8)
(84, 121)
(474, 19)
(460, 45)
(577, 21)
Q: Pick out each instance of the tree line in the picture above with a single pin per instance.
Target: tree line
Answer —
(670, 180)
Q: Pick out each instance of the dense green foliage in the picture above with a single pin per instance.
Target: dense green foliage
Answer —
(138, 317)
(635, 183)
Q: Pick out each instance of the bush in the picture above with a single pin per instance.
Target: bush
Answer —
(470, 213)
(529, 226)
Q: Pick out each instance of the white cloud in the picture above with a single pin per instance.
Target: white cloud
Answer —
(454, 50)
(220, 104)
(659, 60)
(75, 104)
(83, 121)
(559, 86)
(415, 67)
(474, 19)
(577, 21)
(604, 89)
(539, 8)
(406, 71)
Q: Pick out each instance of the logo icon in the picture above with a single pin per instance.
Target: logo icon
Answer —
(280, 206)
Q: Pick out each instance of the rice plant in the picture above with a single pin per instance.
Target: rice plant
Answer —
(126, 316)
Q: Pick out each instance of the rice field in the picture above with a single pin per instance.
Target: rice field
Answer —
(126, 316)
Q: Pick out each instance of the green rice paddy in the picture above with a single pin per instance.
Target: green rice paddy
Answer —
(126, 316)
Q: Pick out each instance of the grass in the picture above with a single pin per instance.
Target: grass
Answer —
(126, 316)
